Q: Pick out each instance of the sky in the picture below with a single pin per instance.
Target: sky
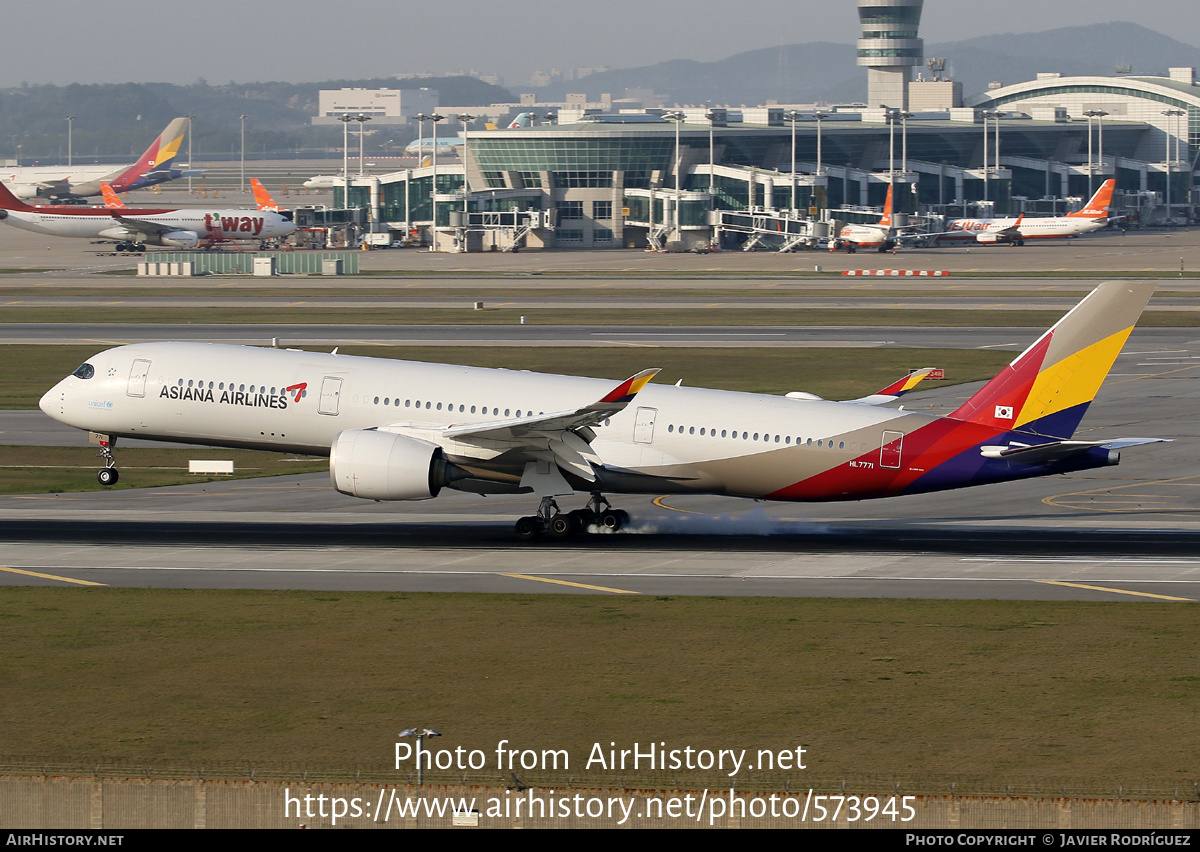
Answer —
(71, 41)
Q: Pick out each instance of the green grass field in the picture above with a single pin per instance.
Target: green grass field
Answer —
(701, 316)
(921, 693)
(55, 470)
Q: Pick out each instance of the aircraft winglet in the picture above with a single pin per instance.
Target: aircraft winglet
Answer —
(629, 388)
(896, 389)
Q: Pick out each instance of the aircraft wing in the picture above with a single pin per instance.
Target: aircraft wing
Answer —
(896, 389)
(518, 429)
(556, 433)
(1058, 450)
(141, 226)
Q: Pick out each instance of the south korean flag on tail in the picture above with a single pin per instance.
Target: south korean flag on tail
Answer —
(1004, 412)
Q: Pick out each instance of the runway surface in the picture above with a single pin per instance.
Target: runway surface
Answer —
(1130, 532)
(255, 334)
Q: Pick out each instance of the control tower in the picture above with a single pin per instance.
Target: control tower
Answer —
(889, 47)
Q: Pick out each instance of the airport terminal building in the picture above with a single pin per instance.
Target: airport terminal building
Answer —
(785, 177)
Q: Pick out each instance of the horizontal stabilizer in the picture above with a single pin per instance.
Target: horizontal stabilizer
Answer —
(1058, 450)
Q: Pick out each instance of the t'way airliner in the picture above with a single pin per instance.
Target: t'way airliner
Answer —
(399, 430)
(133, 229)
(156, 165)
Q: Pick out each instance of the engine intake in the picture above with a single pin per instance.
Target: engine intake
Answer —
(378, 465)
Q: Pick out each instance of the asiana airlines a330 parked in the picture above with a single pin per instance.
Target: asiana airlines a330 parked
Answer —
(401, 430)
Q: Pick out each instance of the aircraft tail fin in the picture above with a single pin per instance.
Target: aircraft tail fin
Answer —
(8, 201)
(262, 198)
(1099, 205)
(1050, 385)
(886, 221)
(111, 200)
(154, 166)
(522, 120)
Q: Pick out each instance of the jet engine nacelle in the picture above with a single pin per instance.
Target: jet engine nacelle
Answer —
(176, 239)
(25, 190)
(386, 466)
(988, 237)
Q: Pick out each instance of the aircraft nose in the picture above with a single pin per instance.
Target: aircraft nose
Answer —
(49, 402)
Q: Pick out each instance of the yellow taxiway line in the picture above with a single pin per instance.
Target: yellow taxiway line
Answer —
(50, 577)
(1116, 591)
(576, 585)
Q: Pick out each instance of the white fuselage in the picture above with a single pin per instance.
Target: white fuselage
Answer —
(127, 223)
(78, 180)
(681, 439)
(1048, 227)
(867, 236)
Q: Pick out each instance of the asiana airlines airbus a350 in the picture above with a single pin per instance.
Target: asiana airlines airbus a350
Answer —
(401, 430)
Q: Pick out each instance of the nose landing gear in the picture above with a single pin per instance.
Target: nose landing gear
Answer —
(108, 475)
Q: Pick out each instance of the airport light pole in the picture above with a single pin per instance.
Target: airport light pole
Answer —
(793, 116)
(243, 160)
(712, 117)
(465, 118)
(1171, 127)
(434, 119)
(891, 116)
(677, 117)
(70, 120)
(1097, 114)
(191, 120)
(361, 119)
(345, 119)
(819, 116)
(988, 114)
(419, 735)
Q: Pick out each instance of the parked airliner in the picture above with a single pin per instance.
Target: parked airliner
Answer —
(399, 430)
(133, 228)
(155, 166)
(1091, 217)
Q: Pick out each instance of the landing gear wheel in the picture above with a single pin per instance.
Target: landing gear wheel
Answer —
(562, 526)
(614, 519)
(108, 476)
(529, 528)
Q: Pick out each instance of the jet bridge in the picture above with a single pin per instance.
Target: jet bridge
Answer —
(498, 230)
(771, 227)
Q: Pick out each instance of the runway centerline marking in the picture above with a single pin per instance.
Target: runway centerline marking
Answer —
(1115, 591)
(50, 577)
(576, 585)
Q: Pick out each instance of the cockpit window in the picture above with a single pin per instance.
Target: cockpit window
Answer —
(85, 371)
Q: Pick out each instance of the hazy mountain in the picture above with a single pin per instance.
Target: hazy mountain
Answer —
(1095, 49)
(122, 119)
(820, 71)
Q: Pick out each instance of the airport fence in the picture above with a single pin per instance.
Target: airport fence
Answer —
(242, 263)
(112, 802)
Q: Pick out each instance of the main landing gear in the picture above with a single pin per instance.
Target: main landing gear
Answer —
(108, 475)
(137, 248)
(552, 522)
